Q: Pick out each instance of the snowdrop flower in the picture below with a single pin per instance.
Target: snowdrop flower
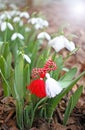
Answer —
(44, 35)
(53, 87)
(25, 15)
(70, 45)
(21, 23)
(38, 23)
(27, 29)
(61, 42)
(4, 25)
(5, 16)
(57, 43)
(17, 35)
(16, 19)
(26, 57)
(13, 6)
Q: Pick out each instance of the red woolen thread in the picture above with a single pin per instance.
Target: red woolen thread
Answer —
(37, 87)
(49, 66)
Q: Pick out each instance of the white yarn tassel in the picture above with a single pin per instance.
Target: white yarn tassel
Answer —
(52, 86)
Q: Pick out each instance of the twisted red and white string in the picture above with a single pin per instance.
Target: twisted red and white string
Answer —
(49, 66)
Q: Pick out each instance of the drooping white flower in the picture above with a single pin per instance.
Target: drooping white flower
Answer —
(61, 42)
(44, 35)
(38, 23)
(57, 43)
(27, 29)
(21, 23)
(4, 25)
(13, 6)
(16, 19)
(24, 14)
(26, 57)
(5, 16)
(17, 35)
(70, 45)
(53, 87)
(14, 13)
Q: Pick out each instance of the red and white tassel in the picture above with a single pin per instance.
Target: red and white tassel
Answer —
(37, 87)
(40, 88)
(52, 87)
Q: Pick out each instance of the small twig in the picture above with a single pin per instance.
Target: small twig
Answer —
(9, 115)
(59, 115)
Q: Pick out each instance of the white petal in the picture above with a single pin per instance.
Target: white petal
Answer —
(16, 19)
(44, 35)
(14, 36)
(3, 26)
(70, 46)
(10, 26)
(27, 58)
(24, 14)
(20, 36)
(52, 87)
(57, 43)
(21, 23)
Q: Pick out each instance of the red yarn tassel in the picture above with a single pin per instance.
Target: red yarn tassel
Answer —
(37, 87)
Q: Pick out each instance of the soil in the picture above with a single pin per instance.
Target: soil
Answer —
(57, 14)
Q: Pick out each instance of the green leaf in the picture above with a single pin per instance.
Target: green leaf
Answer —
(72, 102)
(19, 114)
(2, 65)
(59, 63)
(53, 102)
(5, 84)
(69, 75)
(19, 85)
(67, 78)
(8, 65)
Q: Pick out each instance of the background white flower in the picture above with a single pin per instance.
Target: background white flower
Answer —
(26, 57)
(38, 23)
(44, 35)
(4, 26)
(24, 14)
(16, 19)
(17, 35)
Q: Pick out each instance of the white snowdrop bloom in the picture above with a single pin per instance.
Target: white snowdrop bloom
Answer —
(5, 16)
(32, 21)
(27, 29)
(16, 19)
(57, 43)
(17, 35)
(24, 14)
(44, 35)
(53, 87)
(38, 22)
(13, 6)
(21, 23)
(70, 45)
(61, 42)
(10, 26)
(4, 25)
(26, 57)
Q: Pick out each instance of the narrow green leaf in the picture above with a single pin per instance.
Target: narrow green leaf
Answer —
(69, 75)
(72, 102)
(19, 85)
